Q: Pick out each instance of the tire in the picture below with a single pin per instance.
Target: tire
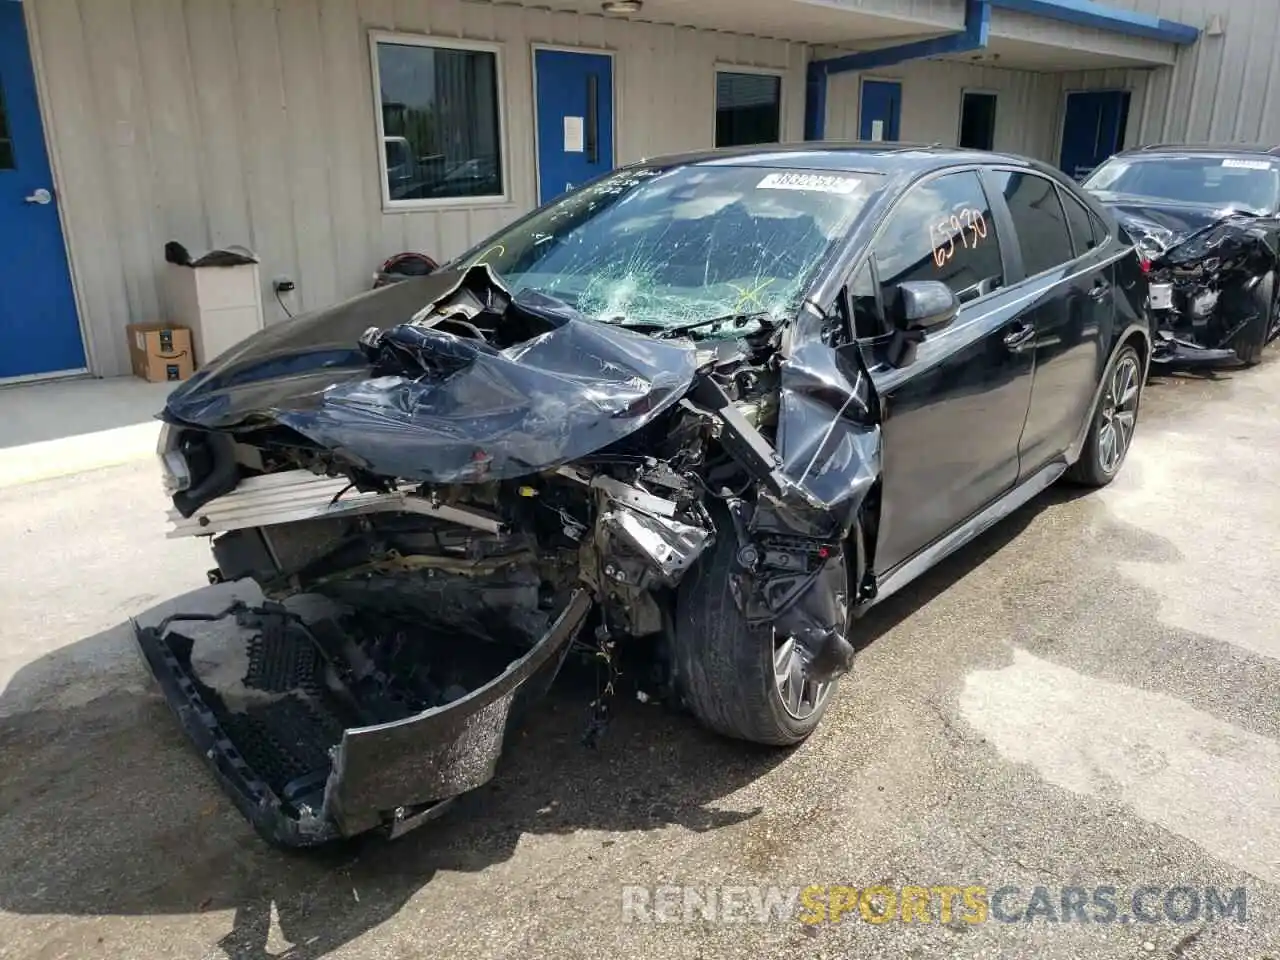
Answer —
(725, 667)
(1253, 339)
(1095, 467)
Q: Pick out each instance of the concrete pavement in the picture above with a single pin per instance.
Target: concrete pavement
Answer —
(1089, 695)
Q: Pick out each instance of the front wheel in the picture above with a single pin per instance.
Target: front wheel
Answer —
(742, 681)
(1114, 422)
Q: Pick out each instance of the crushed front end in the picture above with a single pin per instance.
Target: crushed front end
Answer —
(441, 489)
(1213, 285)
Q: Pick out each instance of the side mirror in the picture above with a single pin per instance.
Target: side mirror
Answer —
(923, 305)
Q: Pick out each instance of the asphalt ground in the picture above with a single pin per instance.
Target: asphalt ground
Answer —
(1088, 697)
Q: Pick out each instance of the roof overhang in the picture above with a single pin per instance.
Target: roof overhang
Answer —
(802, 21)
(1040, 35)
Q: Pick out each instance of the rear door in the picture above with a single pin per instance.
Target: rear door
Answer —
(953, 415)
(1070, 306)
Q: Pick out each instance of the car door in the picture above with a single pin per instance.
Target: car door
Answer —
(953, 414)
(1071, 305)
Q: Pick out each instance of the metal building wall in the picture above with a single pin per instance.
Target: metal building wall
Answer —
(1224, 88)
(252, 121)
(1027, 104)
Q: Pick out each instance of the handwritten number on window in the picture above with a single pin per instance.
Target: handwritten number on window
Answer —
(967, 225)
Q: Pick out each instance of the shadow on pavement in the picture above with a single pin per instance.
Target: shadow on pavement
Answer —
(109, 812)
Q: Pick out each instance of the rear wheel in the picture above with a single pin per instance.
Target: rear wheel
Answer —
(1114, 423)
(742, 681)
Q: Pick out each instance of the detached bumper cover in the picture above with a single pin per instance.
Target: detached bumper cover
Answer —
(393, 775)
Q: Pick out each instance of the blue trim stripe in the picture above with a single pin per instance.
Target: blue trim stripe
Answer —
(976, 34)
(1087, 13)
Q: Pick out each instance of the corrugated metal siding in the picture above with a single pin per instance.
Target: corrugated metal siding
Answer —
(1224, 88)
(1027, 105)
(251, 121)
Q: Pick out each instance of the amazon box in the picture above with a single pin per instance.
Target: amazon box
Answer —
(159, 352)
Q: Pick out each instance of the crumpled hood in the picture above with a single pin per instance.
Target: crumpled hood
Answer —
(386, 383)
(1179, 217)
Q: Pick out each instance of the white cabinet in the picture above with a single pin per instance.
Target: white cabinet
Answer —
(220, 305)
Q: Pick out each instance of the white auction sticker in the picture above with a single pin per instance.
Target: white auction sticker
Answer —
(818, 182)
(1247, 164)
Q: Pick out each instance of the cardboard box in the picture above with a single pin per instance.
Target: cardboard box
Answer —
(160, 352)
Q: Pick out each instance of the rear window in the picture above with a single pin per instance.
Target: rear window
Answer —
(1248, 183)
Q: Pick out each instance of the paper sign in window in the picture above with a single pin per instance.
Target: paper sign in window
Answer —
(877, 129)
(574, 134)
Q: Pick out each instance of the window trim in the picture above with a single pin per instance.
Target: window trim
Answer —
(721, 66)
(447, 43)
(986, 92)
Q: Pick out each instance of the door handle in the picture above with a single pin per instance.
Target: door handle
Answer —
(1020, 336)
(1101, 289)
(40, 196)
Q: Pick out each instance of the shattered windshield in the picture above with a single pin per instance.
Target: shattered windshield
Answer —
(1247, 183)
(666, 248)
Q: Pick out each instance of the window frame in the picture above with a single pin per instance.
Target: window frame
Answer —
(445, 43)
(995, 112)
(1076, 257)
(1011, 266)
(721, 66)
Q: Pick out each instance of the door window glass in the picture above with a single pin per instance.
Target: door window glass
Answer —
(867, 320)
(439, 121)
(1083, 230)
(1038, 218)
(748, 108)
(941, 230)
(6, 140)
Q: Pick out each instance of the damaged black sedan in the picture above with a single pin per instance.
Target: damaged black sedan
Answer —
(716, 406)
(1207, 221)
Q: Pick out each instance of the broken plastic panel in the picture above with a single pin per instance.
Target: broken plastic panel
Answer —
(320, 730)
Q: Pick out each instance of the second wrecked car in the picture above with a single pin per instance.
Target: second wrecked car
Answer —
(719, 404)
(1207, 221)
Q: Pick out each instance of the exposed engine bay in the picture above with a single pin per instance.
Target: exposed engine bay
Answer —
(1210, 293)
(468, 491)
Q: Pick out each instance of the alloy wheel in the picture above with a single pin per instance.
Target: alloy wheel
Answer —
(800, 695)
(1119, 414)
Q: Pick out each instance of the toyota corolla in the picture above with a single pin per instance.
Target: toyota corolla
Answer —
(716, 406)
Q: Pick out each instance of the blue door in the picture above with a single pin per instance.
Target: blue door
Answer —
(1093, 129)
(575, 119)
(39, 332)
(880, 111)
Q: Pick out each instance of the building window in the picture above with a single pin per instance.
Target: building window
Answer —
(439, 116)
(748, 108)
(7, 161)
(978, 121)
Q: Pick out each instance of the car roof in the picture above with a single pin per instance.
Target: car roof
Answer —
(885, 157)
(1215, 149)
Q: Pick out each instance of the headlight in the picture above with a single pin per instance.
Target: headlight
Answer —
(175, 470)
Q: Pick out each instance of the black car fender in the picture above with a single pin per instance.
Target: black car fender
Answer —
(1136, 335)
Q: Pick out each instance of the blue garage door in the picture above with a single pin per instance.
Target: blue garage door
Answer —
(39, 332)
